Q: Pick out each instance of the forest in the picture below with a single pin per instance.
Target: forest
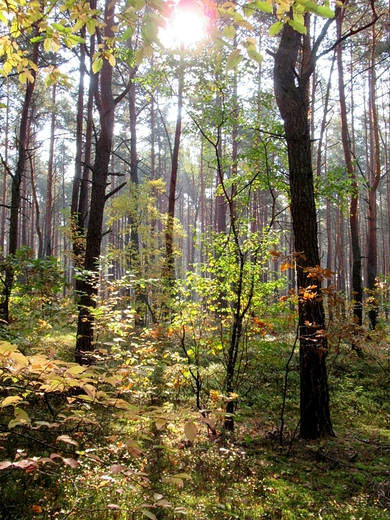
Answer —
(194, 259)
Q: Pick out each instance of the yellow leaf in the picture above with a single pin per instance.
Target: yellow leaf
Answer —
(6, 347)
(11, 399)
(160, 423)
(190, 431)
(233, 59)
(76, 369)
(19, 358)
(111, 60)
(47, 44)
(7, 67)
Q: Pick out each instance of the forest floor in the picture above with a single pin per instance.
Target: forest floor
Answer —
(252, 474)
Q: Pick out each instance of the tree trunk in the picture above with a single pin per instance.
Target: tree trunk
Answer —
(16, 183)
(374, 176)
(357, 286)
(87, 286)
(49, 183)
(169, 241)
(291, 96)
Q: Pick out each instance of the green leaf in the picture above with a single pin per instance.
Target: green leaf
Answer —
(249, 9)
(325, 11)
(37, 39)
(91, 25)
(233, 59)
(128, 34)
(177, 481)
(275, 28)
(229, 31)
(58, 26)
(97, 65)
(73, 38)
(265, 7)
(254, 55)
(77, 369)
(297, 26)
(22, 415)
(149, 29)
(150, 515)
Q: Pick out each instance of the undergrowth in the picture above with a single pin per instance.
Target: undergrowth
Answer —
(123, 440)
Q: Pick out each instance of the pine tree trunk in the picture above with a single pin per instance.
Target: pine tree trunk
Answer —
(374, 180)
(49, 182)
(357, 285)
(291, 97)
(17, 178)
(87, 287)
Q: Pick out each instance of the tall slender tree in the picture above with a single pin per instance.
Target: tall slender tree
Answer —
(292, 73)
(105, 101)
(357, 284)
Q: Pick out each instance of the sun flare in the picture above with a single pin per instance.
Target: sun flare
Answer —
(188, 27)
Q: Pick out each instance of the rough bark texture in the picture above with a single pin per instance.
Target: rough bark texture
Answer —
(17, 178)
(87, 286)
(291, 95)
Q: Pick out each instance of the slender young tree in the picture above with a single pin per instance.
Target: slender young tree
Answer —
(50, 179)
(374, 177)
(357, 285)
(169, 239)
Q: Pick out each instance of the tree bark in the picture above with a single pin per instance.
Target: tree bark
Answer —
(169, 239)
(16, 182)
(374, 176)
(49, 183)
(87, 286)
(291, 89)
(357, 285)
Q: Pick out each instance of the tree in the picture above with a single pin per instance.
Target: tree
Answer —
(86, 285)
(357, 285)
(292, 73)
(16, 181)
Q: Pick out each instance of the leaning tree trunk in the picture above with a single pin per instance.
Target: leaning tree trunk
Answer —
(291, 96)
